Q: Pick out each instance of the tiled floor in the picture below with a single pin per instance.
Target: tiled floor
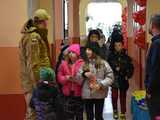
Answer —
(108, 106)
(108, 111)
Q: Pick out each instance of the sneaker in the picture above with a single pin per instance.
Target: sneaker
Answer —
(122, 116)
(115, 115)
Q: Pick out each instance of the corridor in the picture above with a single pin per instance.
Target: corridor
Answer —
(69, 22)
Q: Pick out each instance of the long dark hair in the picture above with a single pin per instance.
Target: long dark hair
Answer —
(60, 58)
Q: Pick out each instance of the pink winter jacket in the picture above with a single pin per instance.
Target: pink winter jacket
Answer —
(68, 86)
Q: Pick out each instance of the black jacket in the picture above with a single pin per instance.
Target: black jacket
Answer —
(122, 61)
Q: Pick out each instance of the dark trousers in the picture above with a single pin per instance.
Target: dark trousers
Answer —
(73, 108)
(122, 99)
(154, 107)
(94, 104)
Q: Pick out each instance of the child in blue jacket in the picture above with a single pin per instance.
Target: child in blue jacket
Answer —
(44, 95)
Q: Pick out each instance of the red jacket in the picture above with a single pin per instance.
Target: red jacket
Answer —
(69, 86)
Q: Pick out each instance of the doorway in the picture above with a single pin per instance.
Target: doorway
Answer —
(96, 19)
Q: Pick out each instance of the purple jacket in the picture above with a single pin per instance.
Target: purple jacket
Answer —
(43, 101)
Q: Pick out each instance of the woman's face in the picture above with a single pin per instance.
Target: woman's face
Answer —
(94, 38)
(73, 57)
(89, 53)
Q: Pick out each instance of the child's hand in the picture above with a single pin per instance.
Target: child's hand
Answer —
(69, 78)
(89, 74)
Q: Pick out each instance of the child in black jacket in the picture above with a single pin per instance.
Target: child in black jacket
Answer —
(123, 68)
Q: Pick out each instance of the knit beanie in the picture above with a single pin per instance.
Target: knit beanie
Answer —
(47, 74)
(74, 48)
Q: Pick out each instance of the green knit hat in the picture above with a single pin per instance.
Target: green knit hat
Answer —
(47, 74)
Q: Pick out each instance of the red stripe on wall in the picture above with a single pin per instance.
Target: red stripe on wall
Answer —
(12, 107)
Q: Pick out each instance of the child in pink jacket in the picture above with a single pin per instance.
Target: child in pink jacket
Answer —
(71, 86)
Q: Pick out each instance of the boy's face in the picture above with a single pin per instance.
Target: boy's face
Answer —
(118, 46)
(94, 38)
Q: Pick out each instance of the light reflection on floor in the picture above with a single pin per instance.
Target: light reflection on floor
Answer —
(107, 111)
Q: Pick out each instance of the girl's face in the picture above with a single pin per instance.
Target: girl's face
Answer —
(94, 38)
(73, 57)
(89, 53)
(118, 46)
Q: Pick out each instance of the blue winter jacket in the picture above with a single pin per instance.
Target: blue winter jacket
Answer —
(43, 101)
(152, 77)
